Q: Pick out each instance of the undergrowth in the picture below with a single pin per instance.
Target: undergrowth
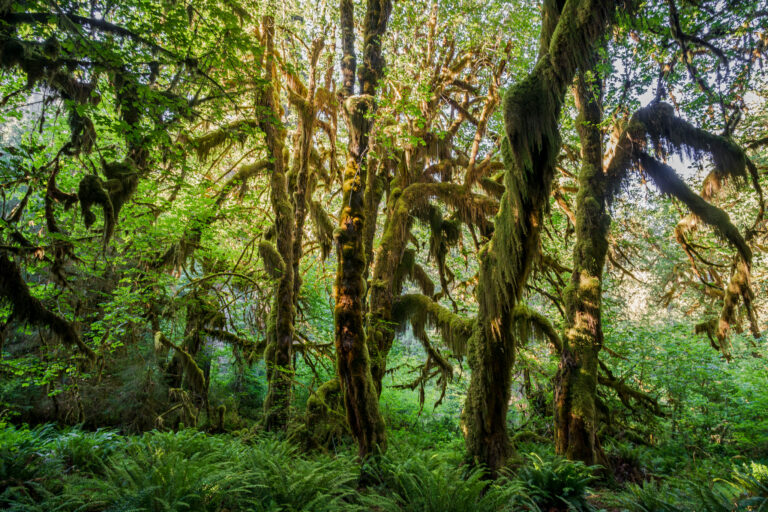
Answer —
(49, 469)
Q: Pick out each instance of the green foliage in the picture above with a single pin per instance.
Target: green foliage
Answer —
(287, 481)
(746, 490)
(167, 471)
(85, 451)
(751, 481)
(26, 454)
(434, 483)
(557, 484)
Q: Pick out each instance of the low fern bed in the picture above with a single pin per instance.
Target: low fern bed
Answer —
(50, 469)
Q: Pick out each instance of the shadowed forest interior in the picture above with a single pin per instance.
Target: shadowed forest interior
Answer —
(378, 255)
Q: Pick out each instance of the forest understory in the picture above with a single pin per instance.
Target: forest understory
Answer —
(427, 256)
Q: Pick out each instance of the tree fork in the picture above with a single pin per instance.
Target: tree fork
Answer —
(531, 114)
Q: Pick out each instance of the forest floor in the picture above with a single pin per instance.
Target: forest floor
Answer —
(69, 469)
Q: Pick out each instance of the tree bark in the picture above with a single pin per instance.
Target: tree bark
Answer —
(279, 352)
(353, 361)
(576, 382)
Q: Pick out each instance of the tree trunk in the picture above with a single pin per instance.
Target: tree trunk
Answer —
(576, 382)
(279, 352)
(353, 361)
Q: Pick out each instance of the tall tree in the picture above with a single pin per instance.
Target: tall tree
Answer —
(280, 333)
(576, 415)
(352, 356)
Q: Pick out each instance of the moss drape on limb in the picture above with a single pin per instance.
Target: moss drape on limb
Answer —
(470, 207)
(667, 133)
(306, 109)
(576, 413)
(27, 308)
(531, 113)
(353, 361)
(279, 352)
(422, 311)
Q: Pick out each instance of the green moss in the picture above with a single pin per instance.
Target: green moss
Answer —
(325, 422)
(91, 191)
(273, 262)
(532, 142)
(422, 311)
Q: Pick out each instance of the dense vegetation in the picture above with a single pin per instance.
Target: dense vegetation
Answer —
(442, 255)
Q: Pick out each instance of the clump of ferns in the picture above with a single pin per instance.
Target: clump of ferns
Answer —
(556, 484)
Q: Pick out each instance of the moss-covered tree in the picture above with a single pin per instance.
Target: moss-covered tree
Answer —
(280, 334)
(352, 357)
(576, 410)
(531, 113)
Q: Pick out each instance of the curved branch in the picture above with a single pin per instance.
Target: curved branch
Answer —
(421, 311)
(27, 308)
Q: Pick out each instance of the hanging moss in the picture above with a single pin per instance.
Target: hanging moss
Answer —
(83, 133)
(237, 131)
(280, 332)
(738, 288)
(669, 134)
(528, 324)
(322, 227)
(27, 308)
(414, 200)
(421, 311)
(530, 147)
(122, 182)
(669, 183)
(90, 192)
(404, 269)
(12, 53)
(273, 262)
(422, 279)
(193, 374)
(709, 327)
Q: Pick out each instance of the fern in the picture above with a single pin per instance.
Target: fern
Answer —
(557, 484)
(650, 497)
(433, 483)
(293, 483)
